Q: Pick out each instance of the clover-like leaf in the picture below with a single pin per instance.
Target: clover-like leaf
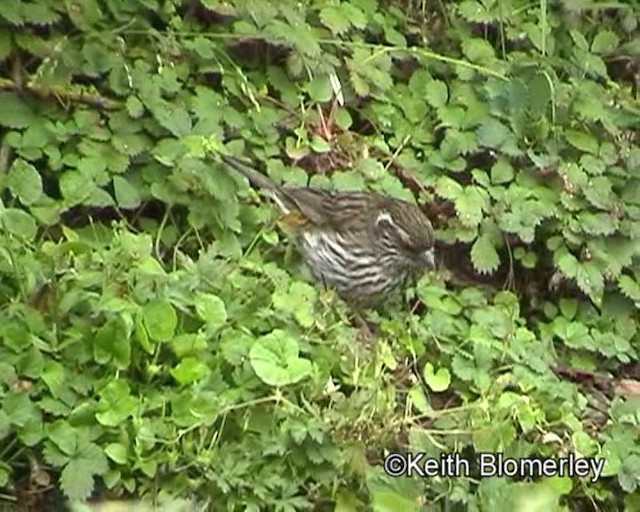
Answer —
(275, 359)
(189, 370)
(437, 380)
(160, 320)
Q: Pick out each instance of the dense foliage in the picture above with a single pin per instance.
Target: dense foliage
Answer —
(158, 337)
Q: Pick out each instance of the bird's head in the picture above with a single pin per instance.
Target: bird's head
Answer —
(403, 227)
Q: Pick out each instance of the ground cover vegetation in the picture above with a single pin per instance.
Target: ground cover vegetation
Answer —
(158, 338)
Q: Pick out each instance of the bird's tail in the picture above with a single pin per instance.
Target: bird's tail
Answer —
(258, 180)
(255, 177)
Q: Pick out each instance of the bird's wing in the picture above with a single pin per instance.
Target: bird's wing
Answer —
(337, 211)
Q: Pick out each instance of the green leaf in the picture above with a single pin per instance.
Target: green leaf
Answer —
(127, 195)
(437, 93)
(190, 370)
(492, 134)
(116, 403)
(18, 223)
(112, 342)
(187, 344)
(502, 172)
(598, 223)
(274, 358)
(15, 112)
(160, 320)
(117, 452)
(437, 380)
(629, 473)
(135, 108)
(319, 89)
(64, 436)
(599, 193)
(19, 409)
(569, 308)
(343, 118)
(478, 50)
(211, 309)
(76, 482)
(77, 476)
(484, 256)
(590, 280)
(174, 118)
(566, 262)
(582, 141)
(448, 188)
(630, 287)
(605, 42)
(298, 300)
(25, 182)
(76, 187)
(333, 17)
(470, 205)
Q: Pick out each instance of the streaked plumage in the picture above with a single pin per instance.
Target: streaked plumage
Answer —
(364, 245)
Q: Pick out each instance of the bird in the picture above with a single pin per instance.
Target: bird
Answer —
(366, 246)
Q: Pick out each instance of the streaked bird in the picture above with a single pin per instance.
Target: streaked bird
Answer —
(364, 245)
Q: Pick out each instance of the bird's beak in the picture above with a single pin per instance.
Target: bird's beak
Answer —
(429, 259)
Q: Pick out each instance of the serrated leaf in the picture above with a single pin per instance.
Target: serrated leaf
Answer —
(448, 188)
(598, 223)
(111, 342)
(484, 256)
(135, 108)
(590, 280)
(470, 205)
(356, 16)
(76, 482)
(630, 288)
(582, 141)
(475, 12)
(25, 182)
(76, 479)
(334, 19)
(174, 118)
(64, 436)
(599, 193)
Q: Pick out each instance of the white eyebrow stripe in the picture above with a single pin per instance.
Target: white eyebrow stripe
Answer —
(385, 216)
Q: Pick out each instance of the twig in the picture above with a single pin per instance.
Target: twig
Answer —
(59, 93)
